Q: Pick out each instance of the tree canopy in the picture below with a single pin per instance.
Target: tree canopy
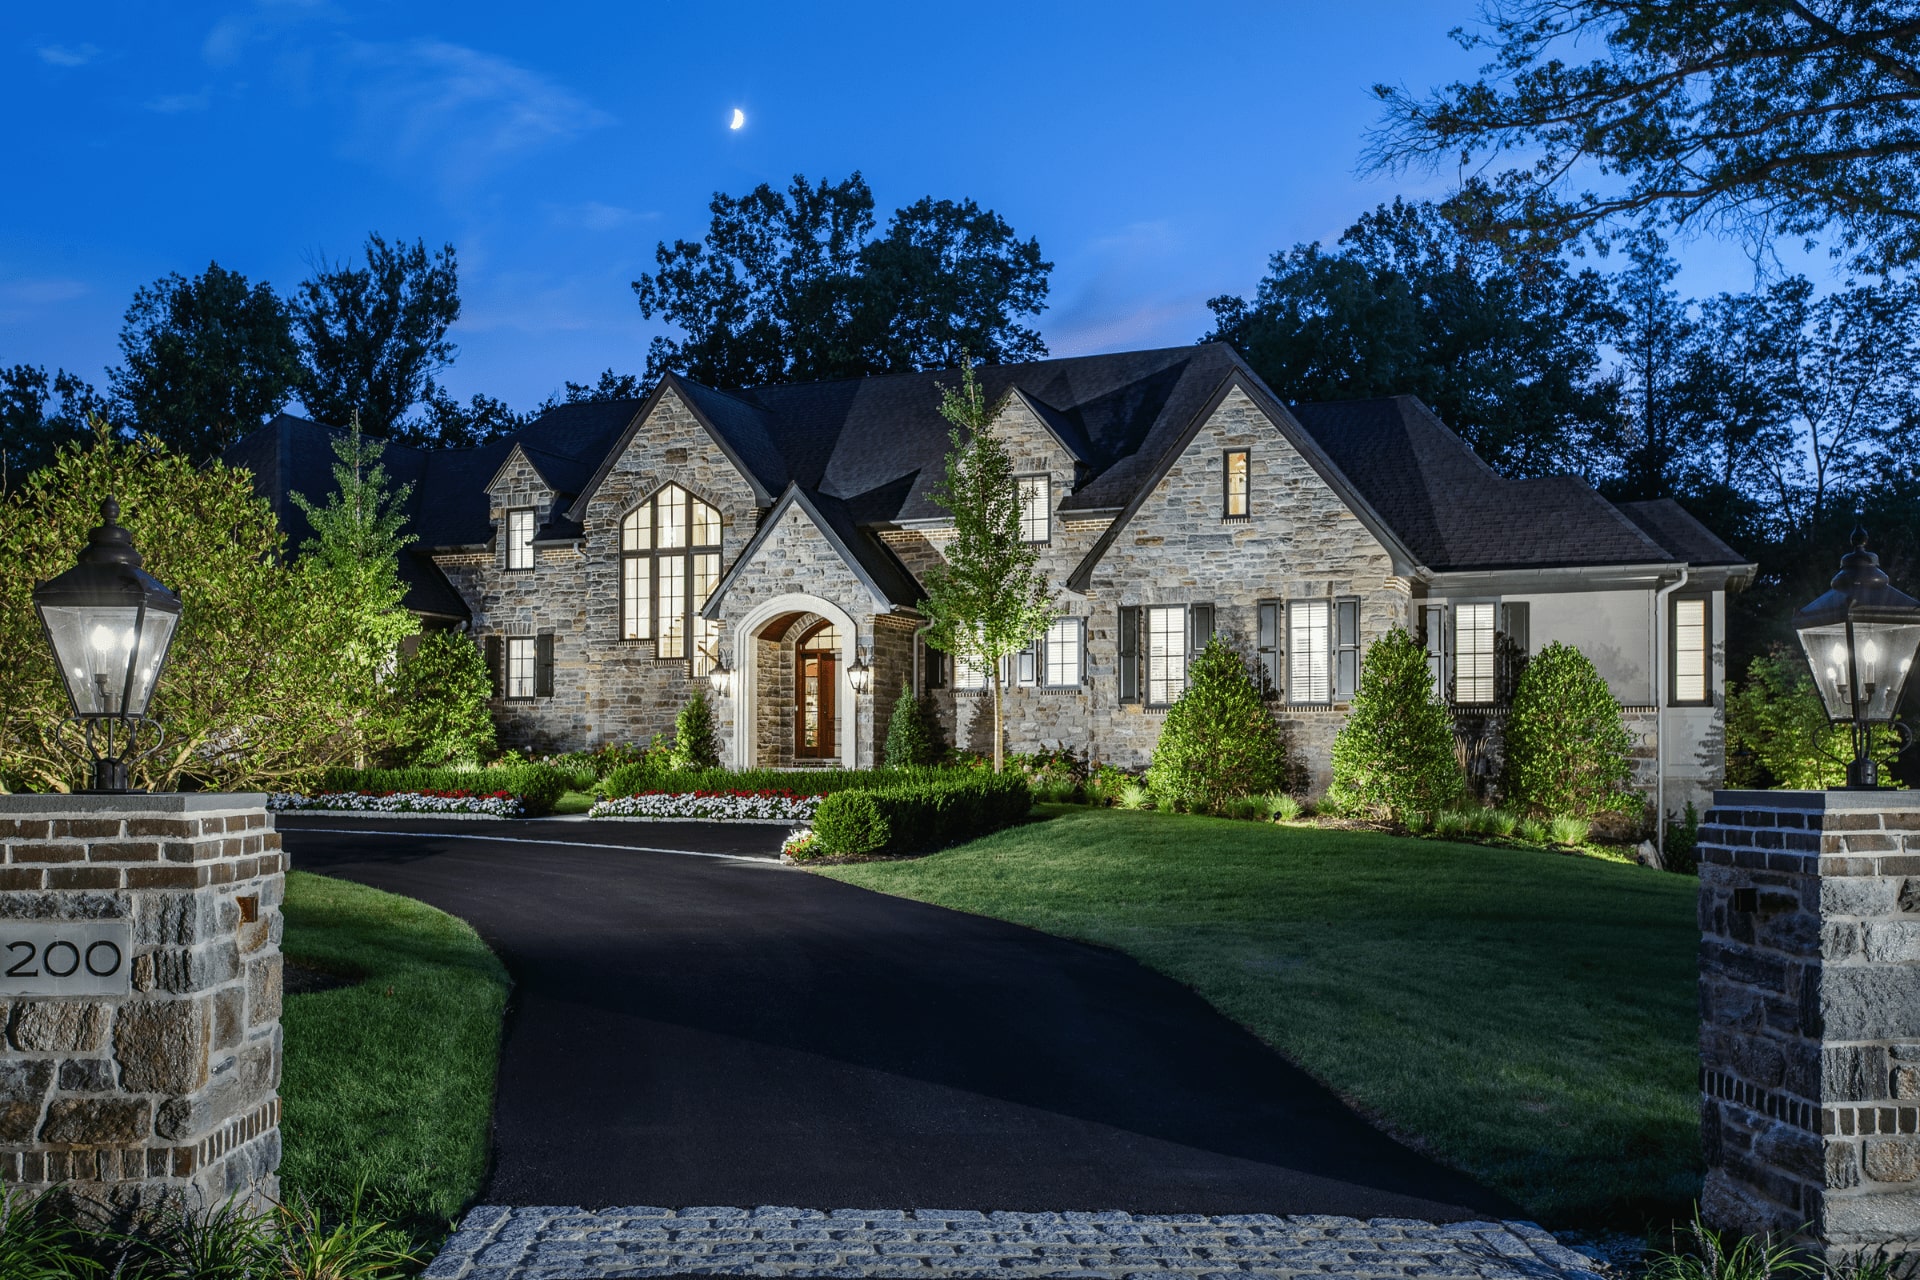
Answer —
(1761, 117)
(791, 287)
(38, 415)
(372, 336)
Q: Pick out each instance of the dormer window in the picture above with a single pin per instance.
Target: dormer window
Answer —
(669, 565)
(520, 538)
(1036, 508)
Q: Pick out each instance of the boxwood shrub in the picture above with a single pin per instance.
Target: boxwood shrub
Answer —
(920, 814)
(538, 786)
(647, 775)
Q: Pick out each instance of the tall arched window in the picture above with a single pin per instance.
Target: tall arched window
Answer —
(669, 565)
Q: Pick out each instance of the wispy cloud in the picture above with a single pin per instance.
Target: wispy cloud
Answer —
(1118, 294)
(173, 104)
(265, 20)
(67, 55)
(25, 297)
(595, 216)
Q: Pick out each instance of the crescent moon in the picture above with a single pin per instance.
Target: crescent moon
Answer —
(739, 118)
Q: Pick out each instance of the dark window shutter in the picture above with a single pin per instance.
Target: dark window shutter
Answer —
(496, 661)
(1269, 647)
(1130, 654)
(1084, 678)
(936, 669)
(1199, 627)
(1515, 620)
(1510, 648)
(543, 665)
(1433, 623)
(1346, 640)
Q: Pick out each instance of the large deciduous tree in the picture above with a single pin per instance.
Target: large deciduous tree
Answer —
(791, 286)
(205, 360)
(989, 597)
(372, 336)
(1762, 117)
(38, 415)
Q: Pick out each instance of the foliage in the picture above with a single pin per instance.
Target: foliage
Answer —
(1566, 747)
(693, 742)
(1220, 741)
(1104, 783)
(206, 360)
(1744, 116)
(1706, 1254)
(537, 786)
(1682, 852)
(1568, 830)
(373, 336)
(656, 773)
(1507, 353)
(1132, 795)
(1282, 807)
(850, 823)
(790, 287)
(988, 598)
(437, 711)
(920, 815)
(912, 733)
(1395, 754)
(38, 1242)
(251, 696)
(32, 427)
(1778, 734)
(611, 386)
(444, 423)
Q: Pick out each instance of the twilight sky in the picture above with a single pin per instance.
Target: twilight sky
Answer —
(1160, 152)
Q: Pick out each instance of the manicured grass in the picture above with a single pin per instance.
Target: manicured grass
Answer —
(1526, 1016)
(389, 1082)
(573, 802)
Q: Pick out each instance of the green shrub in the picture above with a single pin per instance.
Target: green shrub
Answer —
(1282, 807)
(1778, 734)
(1220, 741)
(537, 785)
(1395, 755)
(1532, 830)
(437, 707)
(921, 815)
(694, 746)
(1417, 821)
(848, 823)
(1104, 783)
(1455, 824)
(1132, 795)
(656, 773)
(913, 738)
(1566, 748)
(1567, 829)
(1682, 853)
(1501, 823)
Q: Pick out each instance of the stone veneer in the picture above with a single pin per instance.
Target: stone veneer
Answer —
(1810, 1015)
(164, 1098)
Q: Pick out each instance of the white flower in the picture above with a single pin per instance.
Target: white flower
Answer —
(714, 807)
(398, 802)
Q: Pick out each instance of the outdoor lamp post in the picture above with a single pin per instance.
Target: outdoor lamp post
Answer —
(110, 625)
(1860, 639)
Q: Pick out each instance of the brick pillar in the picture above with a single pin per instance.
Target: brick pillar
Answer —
(1810, 1016)
(140, 998)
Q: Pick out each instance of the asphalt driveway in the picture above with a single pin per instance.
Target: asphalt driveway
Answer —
(691, 1030)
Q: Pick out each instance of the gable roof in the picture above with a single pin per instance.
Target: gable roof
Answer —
(877, 568)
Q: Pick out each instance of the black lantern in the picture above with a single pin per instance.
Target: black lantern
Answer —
(720, 677)
(1860, 639)
(110, 625)
(860, 676)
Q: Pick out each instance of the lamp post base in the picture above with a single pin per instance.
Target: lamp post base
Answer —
(110, 778)
(1863, 774)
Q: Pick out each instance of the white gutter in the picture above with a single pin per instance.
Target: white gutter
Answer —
(1660, 630)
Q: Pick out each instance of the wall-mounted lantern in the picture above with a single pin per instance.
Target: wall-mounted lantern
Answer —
(860, 675)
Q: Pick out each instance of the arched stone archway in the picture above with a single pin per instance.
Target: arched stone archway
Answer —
(763, 642)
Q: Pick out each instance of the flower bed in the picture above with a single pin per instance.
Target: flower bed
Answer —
(712, 806)
(497, 804)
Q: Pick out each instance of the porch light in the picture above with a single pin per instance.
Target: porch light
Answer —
(860, 675)
(720, 678)
(1860, 639)
(110, 626)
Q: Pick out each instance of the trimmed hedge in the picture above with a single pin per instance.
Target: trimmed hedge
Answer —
(919, 815)
(646, 775)
(537, 786)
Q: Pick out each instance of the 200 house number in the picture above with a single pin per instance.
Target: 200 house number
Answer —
(103, 959)
(58, 958)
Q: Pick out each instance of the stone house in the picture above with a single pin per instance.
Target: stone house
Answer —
(610, 554)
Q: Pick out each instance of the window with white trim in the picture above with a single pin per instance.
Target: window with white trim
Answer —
(669, 565)
(1690, 644)
(1061, 649)
(1310, 651)
(520, 666)
(1036, 508)
(520, 538)
(1166, 654)
(1234, 499)
(1473, 653)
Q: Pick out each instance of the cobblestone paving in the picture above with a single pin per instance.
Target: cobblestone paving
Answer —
(549, 1243)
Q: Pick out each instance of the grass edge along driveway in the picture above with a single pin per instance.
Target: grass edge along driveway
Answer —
(389, 1081)
(1528, 1017)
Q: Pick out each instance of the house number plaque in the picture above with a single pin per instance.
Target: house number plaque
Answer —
(66, 958)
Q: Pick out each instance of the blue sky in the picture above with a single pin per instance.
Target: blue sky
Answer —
(1160, 152)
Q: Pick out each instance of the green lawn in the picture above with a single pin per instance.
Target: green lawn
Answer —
(1526, 1016)
(573, 802)
(389, 1081)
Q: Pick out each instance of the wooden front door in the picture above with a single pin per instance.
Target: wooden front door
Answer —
(813, 706)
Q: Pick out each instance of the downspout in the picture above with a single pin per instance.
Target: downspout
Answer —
(1660, 658)
(921, 631)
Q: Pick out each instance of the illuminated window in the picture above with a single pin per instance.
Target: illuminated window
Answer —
(1166, 654)
(1473, 653)
(669, 565)
(520, 538)
(1234, 507)
(519, 666)
(1690, 651)
(1036, 508)
(1310, 651)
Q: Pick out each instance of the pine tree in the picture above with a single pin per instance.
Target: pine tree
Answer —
(1220, 741)
(989, 599)
(693, 742)
(1567, 750)
(912, 738)
(1395, 755)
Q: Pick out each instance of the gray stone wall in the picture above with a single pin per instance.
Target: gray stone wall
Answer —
(1810, 1016)
(164, 1097)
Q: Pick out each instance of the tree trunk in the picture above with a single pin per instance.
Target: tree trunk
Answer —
(999, 756)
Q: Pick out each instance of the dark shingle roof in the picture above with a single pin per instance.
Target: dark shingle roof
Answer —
(1455, 512)
(1676, 529)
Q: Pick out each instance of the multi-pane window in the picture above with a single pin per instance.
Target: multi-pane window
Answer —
(1473, 653)
(1061, 652)
(1234, 500)
(1690, 651)
(967, 677)
(520, 538)
(1166, 654)
(669, 565)
(520, 655)
(1036, 508)
(1310, 651)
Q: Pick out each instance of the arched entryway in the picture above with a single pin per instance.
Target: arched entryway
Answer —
(816, 722)
(793, 702)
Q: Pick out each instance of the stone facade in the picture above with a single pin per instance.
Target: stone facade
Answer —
(1810, 1008)
(164, 1097)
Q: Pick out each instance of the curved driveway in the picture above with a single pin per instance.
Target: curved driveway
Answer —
(690, 1030)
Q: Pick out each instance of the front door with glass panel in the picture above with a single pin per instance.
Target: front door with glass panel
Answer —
(814, 684)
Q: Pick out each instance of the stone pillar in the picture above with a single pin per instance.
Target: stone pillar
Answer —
(140, 999)
(1810, 1016)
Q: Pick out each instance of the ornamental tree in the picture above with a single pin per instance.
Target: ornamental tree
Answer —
(912, 737)
(438, 703)
(1219, 742)
(1395, 755)
(693, 742)
(1567, 750)
(989, 598)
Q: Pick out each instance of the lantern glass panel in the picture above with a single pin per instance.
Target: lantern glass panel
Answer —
(1885, 652)
(96, 644)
